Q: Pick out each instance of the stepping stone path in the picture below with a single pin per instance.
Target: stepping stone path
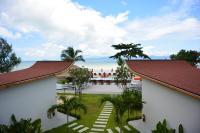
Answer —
(127, 128)
(109, 131)
(118, 129)
(79, 128)
(101, 122)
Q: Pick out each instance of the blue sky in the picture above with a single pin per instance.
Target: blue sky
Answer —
(39, 30)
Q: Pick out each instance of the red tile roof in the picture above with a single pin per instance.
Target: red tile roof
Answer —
(38, 70)
(179, 74)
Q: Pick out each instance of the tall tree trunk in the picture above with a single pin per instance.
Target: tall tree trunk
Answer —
(67, 123)
(120, 124)
(128, 113)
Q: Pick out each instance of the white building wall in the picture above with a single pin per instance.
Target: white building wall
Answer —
(176, 107)
(31, 100)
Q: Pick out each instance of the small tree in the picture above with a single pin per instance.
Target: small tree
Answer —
(191, 56)
(22, 126)
(66, 107)
(8, 59)
(133, 100)
(123, 74)
(80, 76)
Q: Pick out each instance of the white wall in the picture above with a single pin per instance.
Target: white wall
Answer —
(176, 107)
(31, 100)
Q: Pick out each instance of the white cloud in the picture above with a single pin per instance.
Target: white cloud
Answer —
(152, 51)
(46, 50)
(154, 28)
(8, 34)
(65, 23)
(123, 2)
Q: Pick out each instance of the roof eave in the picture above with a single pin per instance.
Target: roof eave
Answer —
(165, 84)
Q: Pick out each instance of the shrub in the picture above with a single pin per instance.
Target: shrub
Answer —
(161, 127)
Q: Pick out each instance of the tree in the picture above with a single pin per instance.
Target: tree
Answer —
(80, 76)
(133, 100)
(128, 51)
(66, 107)
(119, 106)
(22, 126)
(8, 59)
(123, 74)
(71, 54)
(191, 56)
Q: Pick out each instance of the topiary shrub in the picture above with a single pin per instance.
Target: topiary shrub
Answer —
(161, 127)
(180, 129)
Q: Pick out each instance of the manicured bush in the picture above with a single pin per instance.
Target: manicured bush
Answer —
(161, 127)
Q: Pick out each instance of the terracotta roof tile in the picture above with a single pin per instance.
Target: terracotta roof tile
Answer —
(38, 70)
(179, 74)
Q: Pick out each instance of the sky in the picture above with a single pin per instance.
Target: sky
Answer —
(41, 29)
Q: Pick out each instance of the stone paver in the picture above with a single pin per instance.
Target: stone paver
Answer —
(118, 129)
(127, 128)
(102, 119)
(95, 125)
(80, 126)
(97, 129)
(73, 124)
(105, 114)
(100, 122)
(109, 130)
(83, 129)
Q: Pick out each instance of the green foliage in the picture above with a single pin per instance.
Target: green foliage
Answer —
(80, 76)
(162, 128)
(191, 56)
(22, 126)
(66, 107)
(8, 59)
(129, 100)
(180, 128)
(61, 81)
(123, 74)
(133, 100)
(128, 51)
(71, 54)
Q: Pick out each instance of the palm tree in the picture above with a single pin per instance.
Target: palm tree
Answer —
(119, 106)
(66, 107)
(133, 100)
(128, 51)
(71, 54)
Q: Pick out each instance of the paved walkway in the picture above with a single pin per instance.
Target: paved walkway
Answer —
(99, 89)
(101, 122)
(103, 89)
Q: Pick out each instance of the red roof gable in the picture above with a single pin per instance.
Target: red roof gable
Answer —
(179, 74)
(38, 70)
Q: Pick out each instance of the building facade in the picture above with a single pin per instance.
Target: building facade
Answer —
(171, 91)
(31, 99)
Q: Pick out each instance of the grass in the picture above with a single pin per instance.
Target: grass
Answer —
(92, 101)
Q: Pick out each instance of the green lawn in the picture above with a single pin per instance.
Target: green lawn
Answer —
(92, 101)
